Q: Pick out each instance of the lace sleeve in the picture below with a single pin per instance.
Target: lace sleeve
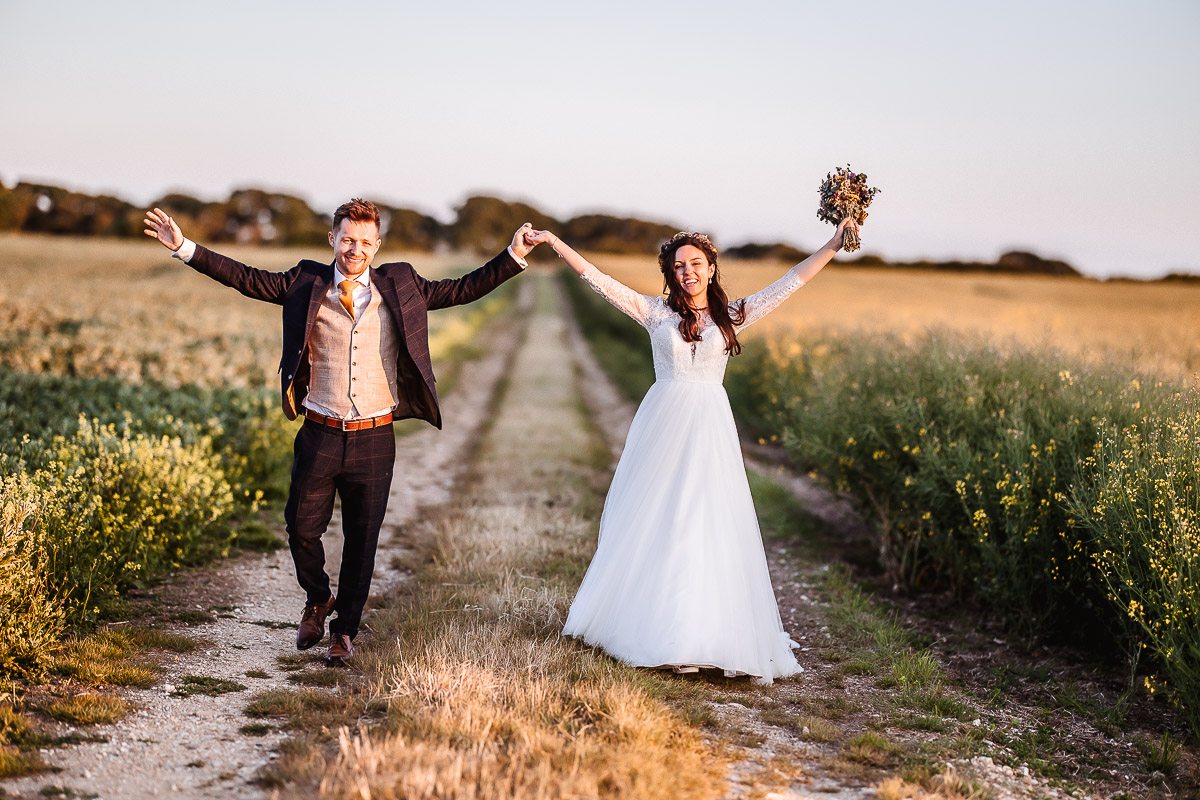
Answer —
(636, 306)
(759, 304)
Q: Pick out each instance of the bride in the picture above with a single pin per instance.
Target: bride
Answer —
(679, 579)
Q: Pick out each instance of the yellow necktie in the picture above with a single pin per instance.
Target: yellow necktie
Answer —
(347, 295)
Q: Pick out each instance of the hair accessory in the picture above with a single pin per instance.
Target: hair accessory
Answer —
(689, 235)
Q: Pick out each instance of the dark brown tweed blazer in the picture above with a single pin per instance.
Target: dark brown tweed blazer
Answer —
(406, 295)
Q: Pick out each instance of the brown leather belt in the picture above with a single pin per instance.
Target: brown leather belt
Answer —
(348, 424)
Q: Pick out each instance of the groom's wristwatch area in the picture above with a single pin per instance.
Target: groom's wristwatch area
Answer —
(348, 424)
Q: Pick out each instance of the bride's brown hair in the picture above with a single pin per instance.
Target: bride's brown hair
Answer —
(724, 314)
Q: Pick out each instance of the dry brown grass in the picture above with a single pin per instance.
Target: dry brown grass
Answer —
(1155, 324)
(15, 762)
(114, 657)
(127, 309)
(14, 725)
(86, 709)
(305, 709)
(947, 785)
(480, 696)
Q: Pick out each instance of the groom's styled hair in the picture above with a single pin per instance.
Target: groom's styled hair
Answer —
(357, 210)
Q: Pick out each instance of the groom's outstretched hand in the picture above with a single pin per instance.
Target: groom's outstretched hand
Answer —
(162, 227)
(521, 243)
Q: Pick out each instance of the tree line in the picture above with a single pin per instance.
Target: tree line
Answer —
(254, 216)
(481, 223)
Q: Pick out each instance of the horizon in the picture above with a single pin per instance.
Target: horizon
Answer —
(842, 258)
(1055, 128)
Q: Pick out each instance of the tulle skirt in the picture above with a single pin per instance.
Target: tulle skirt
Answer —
(680, 577)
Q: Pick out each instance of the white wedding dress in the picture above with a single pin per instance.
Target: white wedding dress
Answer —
(680, 577)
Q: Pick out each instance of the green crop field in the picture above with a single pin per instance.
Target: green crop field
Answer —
(1155, 325)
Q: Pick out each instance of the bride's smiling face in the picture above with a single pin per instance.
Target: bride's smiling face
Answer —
(692, 273)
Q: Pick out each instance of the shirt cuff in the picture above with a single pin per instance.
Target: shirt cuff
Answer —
(522, 263)
(185, 251)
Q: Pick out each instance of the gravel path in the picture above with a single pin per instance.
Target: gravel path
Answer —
(192, 747)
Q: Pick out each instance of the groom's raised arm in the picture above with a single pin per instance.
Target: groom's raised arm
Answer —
(478, 282)
(259, 284)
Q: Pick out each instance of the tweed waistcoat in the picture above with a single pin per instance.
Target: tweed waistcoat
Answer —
(353, 362)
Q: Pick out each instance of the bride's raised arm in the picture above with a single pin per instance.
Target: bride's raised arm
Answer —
(624, 299)
(766, 300)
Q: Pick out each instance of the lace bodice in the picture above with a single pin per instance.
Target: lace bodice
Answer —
(675, 359)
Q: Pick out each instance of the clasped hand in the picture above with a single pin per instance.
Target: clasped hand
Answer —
(524, 240)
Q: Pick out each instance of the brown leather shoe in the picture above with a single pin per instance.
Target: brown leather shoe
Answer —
(340, 648)
(312, 624)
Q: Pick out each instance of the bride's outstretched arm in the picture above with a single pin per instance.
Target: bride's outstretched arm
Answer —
(635, 305)
(565, 251)
(807, 269)
(761, 302)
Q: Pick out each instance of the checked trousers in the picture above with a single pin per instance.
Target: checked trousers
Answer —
(357, 467)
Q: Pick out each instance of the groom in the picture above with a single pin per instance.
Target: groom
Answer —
(355, 357)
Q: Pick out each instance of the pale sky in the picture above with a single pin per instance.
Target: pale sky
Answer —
(1066, 128)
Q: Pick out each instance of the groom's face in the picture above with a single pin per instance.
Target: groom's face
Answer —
(354, 245)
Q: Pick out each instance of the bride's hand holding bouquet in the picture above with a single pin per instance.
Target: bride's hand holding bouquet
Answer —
(845, 193)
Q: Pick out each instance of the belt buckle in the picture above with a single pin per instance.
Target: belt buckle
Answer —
(342, 424)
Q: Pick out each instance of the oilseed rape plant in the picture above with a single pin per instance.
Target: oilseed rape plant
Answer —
(96, 505)
(1060, 496)
(1142, 510)
(28, 604)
